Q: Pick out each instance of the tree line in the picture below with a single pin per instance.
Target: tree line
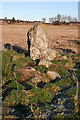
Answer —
(61, 18)
(58, 18)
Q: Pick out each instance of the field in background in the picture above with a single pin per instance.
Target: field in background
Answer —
(62, 36)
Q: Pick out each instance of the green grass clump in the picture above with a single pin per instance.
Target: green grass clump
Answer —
(16, 97)
(19, 61)
(22, 61)
(66, 82)
(40, 96)
(52, 88)
(41, 68)
(6, 67)
(60, 69)
(14, 84)
(72, 92)
(19, 64)
(64, 117)
(10, 52)
(76, 58)
(78, 74)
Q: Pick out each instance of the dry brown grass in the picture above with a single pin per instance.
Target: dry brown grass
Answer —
(62, 36)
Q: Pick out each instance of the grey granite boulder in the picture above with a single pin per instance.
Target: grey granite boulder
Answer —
(38, 46)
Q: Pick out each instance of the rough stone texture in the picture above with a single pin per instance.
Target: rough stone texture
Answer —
(45, 62)
(53, 75)
(26, 73)
(36, 79)
(30, 73)
(38, 44)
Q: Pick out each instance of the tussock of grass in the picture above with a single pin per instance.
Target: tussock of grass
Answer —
(41, 68)
(66, 82)
(14, 84)
(6, 67)
(52, 88)
(72, 92)
(38, 95)
(16, 97)
(78, 74)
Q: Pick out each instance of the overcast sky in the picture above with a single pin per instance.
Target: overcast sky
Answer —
(38, 10)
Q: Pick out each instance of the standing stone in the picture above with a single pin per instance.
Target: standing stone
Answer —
(38, 45)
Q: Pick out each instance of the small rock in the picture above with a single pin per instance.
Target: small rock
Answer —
(36, 79)
(53, 75)
(26, 73)
(26, 69)
(32, 69)
(45, 62)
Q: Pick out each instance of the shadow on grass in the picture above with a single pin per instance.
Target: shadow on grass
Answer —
(18, 49)
(6, 92)
(41, 84)
(55, 80)
(26, 85)
(19, 112)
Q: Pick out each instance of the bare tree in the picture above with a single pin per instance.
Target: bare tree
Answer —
(51, 20)
(63, 19)
(58, 17)
(5, 18)
(69, 18)
(44, 20)
(54, 18)
(66, 18)
(75, 19)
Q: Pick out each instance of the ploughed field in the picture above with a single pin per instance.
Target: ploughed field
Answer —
(32, 91)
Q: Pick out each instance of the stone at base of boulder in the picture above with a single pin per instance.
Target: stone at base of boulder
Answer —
(36, 80)
(51, 54)
(44, 62)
